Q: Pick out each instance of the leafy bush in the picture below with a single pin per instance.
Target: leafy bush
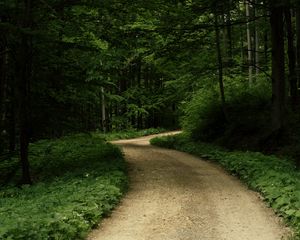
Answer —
(247, 115)
(203, 114)
(276, 179)
(80, 179)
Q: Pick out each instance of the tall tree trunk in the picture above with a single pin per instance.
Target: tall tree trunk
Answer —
(12, 116)
(278, 79)
(256, 43)
(291, 56)
(3, 85)
(242, 50)
(220, 66)
(24, 77)
(266, 46)
(249, 45)
(229, 35)
(298, 42)
(12, 128)
(139, 80)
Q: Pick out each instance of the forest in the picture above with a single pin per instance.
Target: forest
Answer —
(74, 73)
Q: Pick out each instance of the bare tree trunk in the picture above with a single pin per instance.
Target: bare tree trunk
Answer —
(220, 66)
(266, 56)
(256, 44)
(12, 122)
(257, 52)
(229, 35)
(298, 43)
(242, 50)
(103, 111)
(249, 45)
(278, 79)
(291, 56)
(24, 77)
(3, 86)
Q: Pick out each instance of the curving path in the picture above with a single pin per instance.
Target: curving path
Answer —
(176, 196)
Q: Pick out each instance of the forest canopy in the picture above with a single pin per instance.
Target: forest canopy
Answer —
(220, 68)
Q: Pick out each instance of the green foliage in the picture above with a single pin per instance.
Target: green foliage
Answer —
(203, 114)
(275, 178)
(80, 179)
(129, 134)
(248, 114)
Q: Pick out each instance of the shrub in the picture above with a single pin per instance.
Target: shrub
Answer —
(248, 115)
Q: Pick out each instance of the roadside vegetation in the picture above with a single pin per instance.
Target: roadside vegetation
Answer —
(275, 178)
(130, 133)
(77, 181)
(246, 124)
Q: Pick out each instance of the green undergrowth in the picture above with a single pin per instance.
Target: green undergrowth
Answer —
(77, 181)
(127, 134)
(247, 115)
(275, 178)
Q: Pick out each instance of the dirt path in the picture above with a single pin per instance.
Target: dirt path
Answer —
(176, 196)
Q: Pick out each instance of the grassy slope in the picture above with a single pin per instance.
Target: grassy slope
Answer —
(79, 180)
(277, 179)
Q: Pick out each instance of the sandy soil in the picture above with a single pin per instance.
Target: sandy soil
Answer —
(176, 196)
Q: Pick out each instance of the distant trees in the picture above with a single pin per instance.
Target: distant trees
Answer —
(69, 66)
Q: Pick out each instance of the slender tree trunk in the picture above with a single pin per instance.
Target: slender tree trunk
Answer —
(24, 121)
(278, 79)
(225, 46)
(103, 111)
(256, 44)
(24, 124)
(242, 51)
(220, 66)
(229, 36)
(298, 43)
(257, 65)
(12, 115)
(249, 45)
(3, 82)
(266, 55)
(139, 72)
(24, 77)
(146, 77)
(139, 80)
(291, 56)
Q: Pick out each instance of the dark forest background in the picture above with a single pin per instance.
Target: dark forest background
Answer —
(227, 71)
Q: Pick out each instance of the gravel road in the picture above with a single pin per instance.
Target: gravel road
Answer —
(176, 196)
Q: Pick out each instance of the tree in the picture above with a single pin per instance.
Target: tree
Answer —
(291, 56)
(24, 66)
(278, 70)
(249, 44)
(220, 66)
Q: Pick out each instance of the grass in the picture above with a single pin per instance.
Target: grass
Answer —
(78, 180)
(275, 178)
